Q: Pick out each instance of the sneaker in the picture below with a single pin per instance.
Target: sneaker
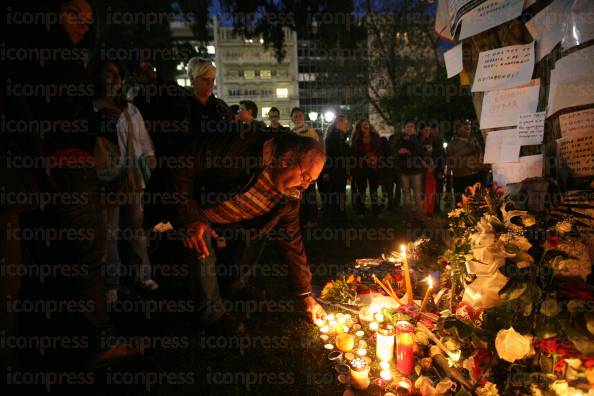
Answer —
(149, 285)
(111, 296)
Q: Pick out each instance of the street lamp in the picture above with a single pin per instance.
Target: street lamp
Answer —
(329, 116)
(313, 115)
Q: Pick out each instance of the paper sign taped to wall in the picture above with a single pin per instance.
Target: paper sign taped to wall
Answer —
(453, 60)
(547, 26)
(502, 146)
(531, 128)
(504, 67)
(576, 152)
(576, 122)
(515, 172)
(488, 15)
(502, 108)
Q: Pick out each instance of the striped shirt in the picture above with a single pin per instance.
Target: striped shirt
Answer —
(257, 201)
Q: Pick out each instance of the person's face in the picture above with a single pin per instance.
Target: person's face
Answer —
(76, 18)
(290, 176)
(274, 117)
(434, 131)
(298, 118)
(204, 84)
(365, 128)
(426, 132)
(342, 124)
(113, 80)
(409, 129)
(464, 130)
(244, 114)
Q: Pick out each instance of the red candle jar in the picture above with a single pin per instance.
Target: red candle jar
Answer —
(405, 360)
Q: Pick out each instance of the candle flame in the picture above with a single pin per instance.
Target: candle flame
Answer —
(430, 281)
(403, 250)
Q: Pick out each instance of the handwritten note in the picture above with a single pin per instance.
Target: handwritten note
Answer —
(502, 146)
(515, 172)
(488, 15)
(572, 81)
(547, 26)
(577, 122)
(453, 60)
(531, 128)
(577, 153)
(502, 108)
(504, 67)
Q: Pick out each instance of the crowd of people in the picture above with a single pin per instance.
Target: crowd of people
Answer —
(208, 176)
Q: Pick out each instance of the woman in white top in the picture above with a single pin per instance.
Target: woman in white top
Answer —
(137, 157)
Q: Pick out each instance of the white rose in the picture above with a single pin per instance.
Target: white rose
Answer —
(511, 345)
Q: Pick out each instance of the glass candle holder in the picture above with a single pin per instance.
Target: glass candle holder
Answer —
(385, 343)
(404, 347)
(359, 373)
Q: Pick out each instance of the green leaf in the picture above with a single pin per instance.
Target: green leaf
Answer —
(513, 290)
(581, 338)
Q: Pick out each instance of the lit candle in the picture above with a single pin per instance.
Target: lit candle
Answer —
(409, 290)
(385, 343)
(345, 342)
(426, 298)
(324, 337)
(384, 365)
(386, 375)
(329, 347)
(361, 352)
(360, 333)
(404, 347)
(330, 317)
(345, 329)
(379, 317)
(359, 373)
(324, 329)
(373, 326)
(319, 322)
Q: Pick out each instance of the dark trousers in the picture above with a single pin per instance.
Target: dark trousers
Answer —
(309, 204)
(365, 176)
(80, 218)
(336, 195)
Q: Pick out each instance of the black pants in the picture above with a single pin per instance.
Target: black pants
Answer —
(364, 176)
(336, 195)
(79, 217)
(309, 204)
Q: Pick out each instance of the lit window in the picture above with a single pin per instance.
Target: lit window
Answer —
(265, 111)
(249, 74)
(210, 49)
(282, 93)
(265, 74)
(184, 82)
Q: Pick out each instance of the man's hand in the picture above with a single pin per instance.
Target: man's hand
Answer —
(313, 310)
(195, 239)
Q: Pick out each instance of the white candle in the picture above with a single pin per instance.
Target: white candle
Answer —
(384, 365)
(329, 347)
(360, 333)
(319, 322)
(386, 375)
(361, 352)
(379, 317)
(359, 373)
(385, 343)
(373, 326)
(324, 329)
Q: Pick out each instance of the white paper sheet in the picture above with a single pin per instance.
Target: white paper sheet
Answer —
(453, 60)
(577, 122)
(502, 108)
(531, 128)
(457, 9)
(515, 172)
(572, 81)
(547, 26)
(580, 24)
(502, 146)
(504, 67)
(577, 153)
(488, 15)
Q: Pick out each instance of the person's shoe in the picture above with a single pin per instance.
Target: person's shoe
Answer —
(227, 325)
(149, 285)
(111, 296)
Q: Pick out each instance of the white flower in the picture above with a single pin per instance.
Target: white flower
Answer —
(560, 387)
(487, 259)
(483, 292)
(455, 213)
(489, 389)
(528, 220)
(563, 227)
(518, 241)
(511, 345)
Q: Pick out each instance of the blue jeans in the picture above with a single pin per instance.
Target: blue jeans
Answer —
(131, 216)
(416, 182)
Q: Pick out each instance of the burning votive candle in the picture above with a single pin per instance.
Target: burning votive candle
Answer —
(385, 343)
(329, 347)
(345, 342)
(384, 365)
(359, 373)
(324, 329)
(319, 322)
(330, 317)
(386, 375)
(404, 347)
(373, 326)
(360, 333)
(361, 352)
(379, 317)
(324, 337)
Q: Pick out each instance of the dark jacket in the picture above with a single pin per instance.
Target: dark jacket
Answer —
(280, 129)
(337, 152)
(227, 164)
(411, 162)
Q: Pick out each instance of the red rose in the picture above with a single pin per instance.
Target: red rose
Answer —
(552, 241)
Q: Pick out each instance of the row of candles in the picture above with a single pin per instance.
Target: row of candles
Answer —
(390, 342)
